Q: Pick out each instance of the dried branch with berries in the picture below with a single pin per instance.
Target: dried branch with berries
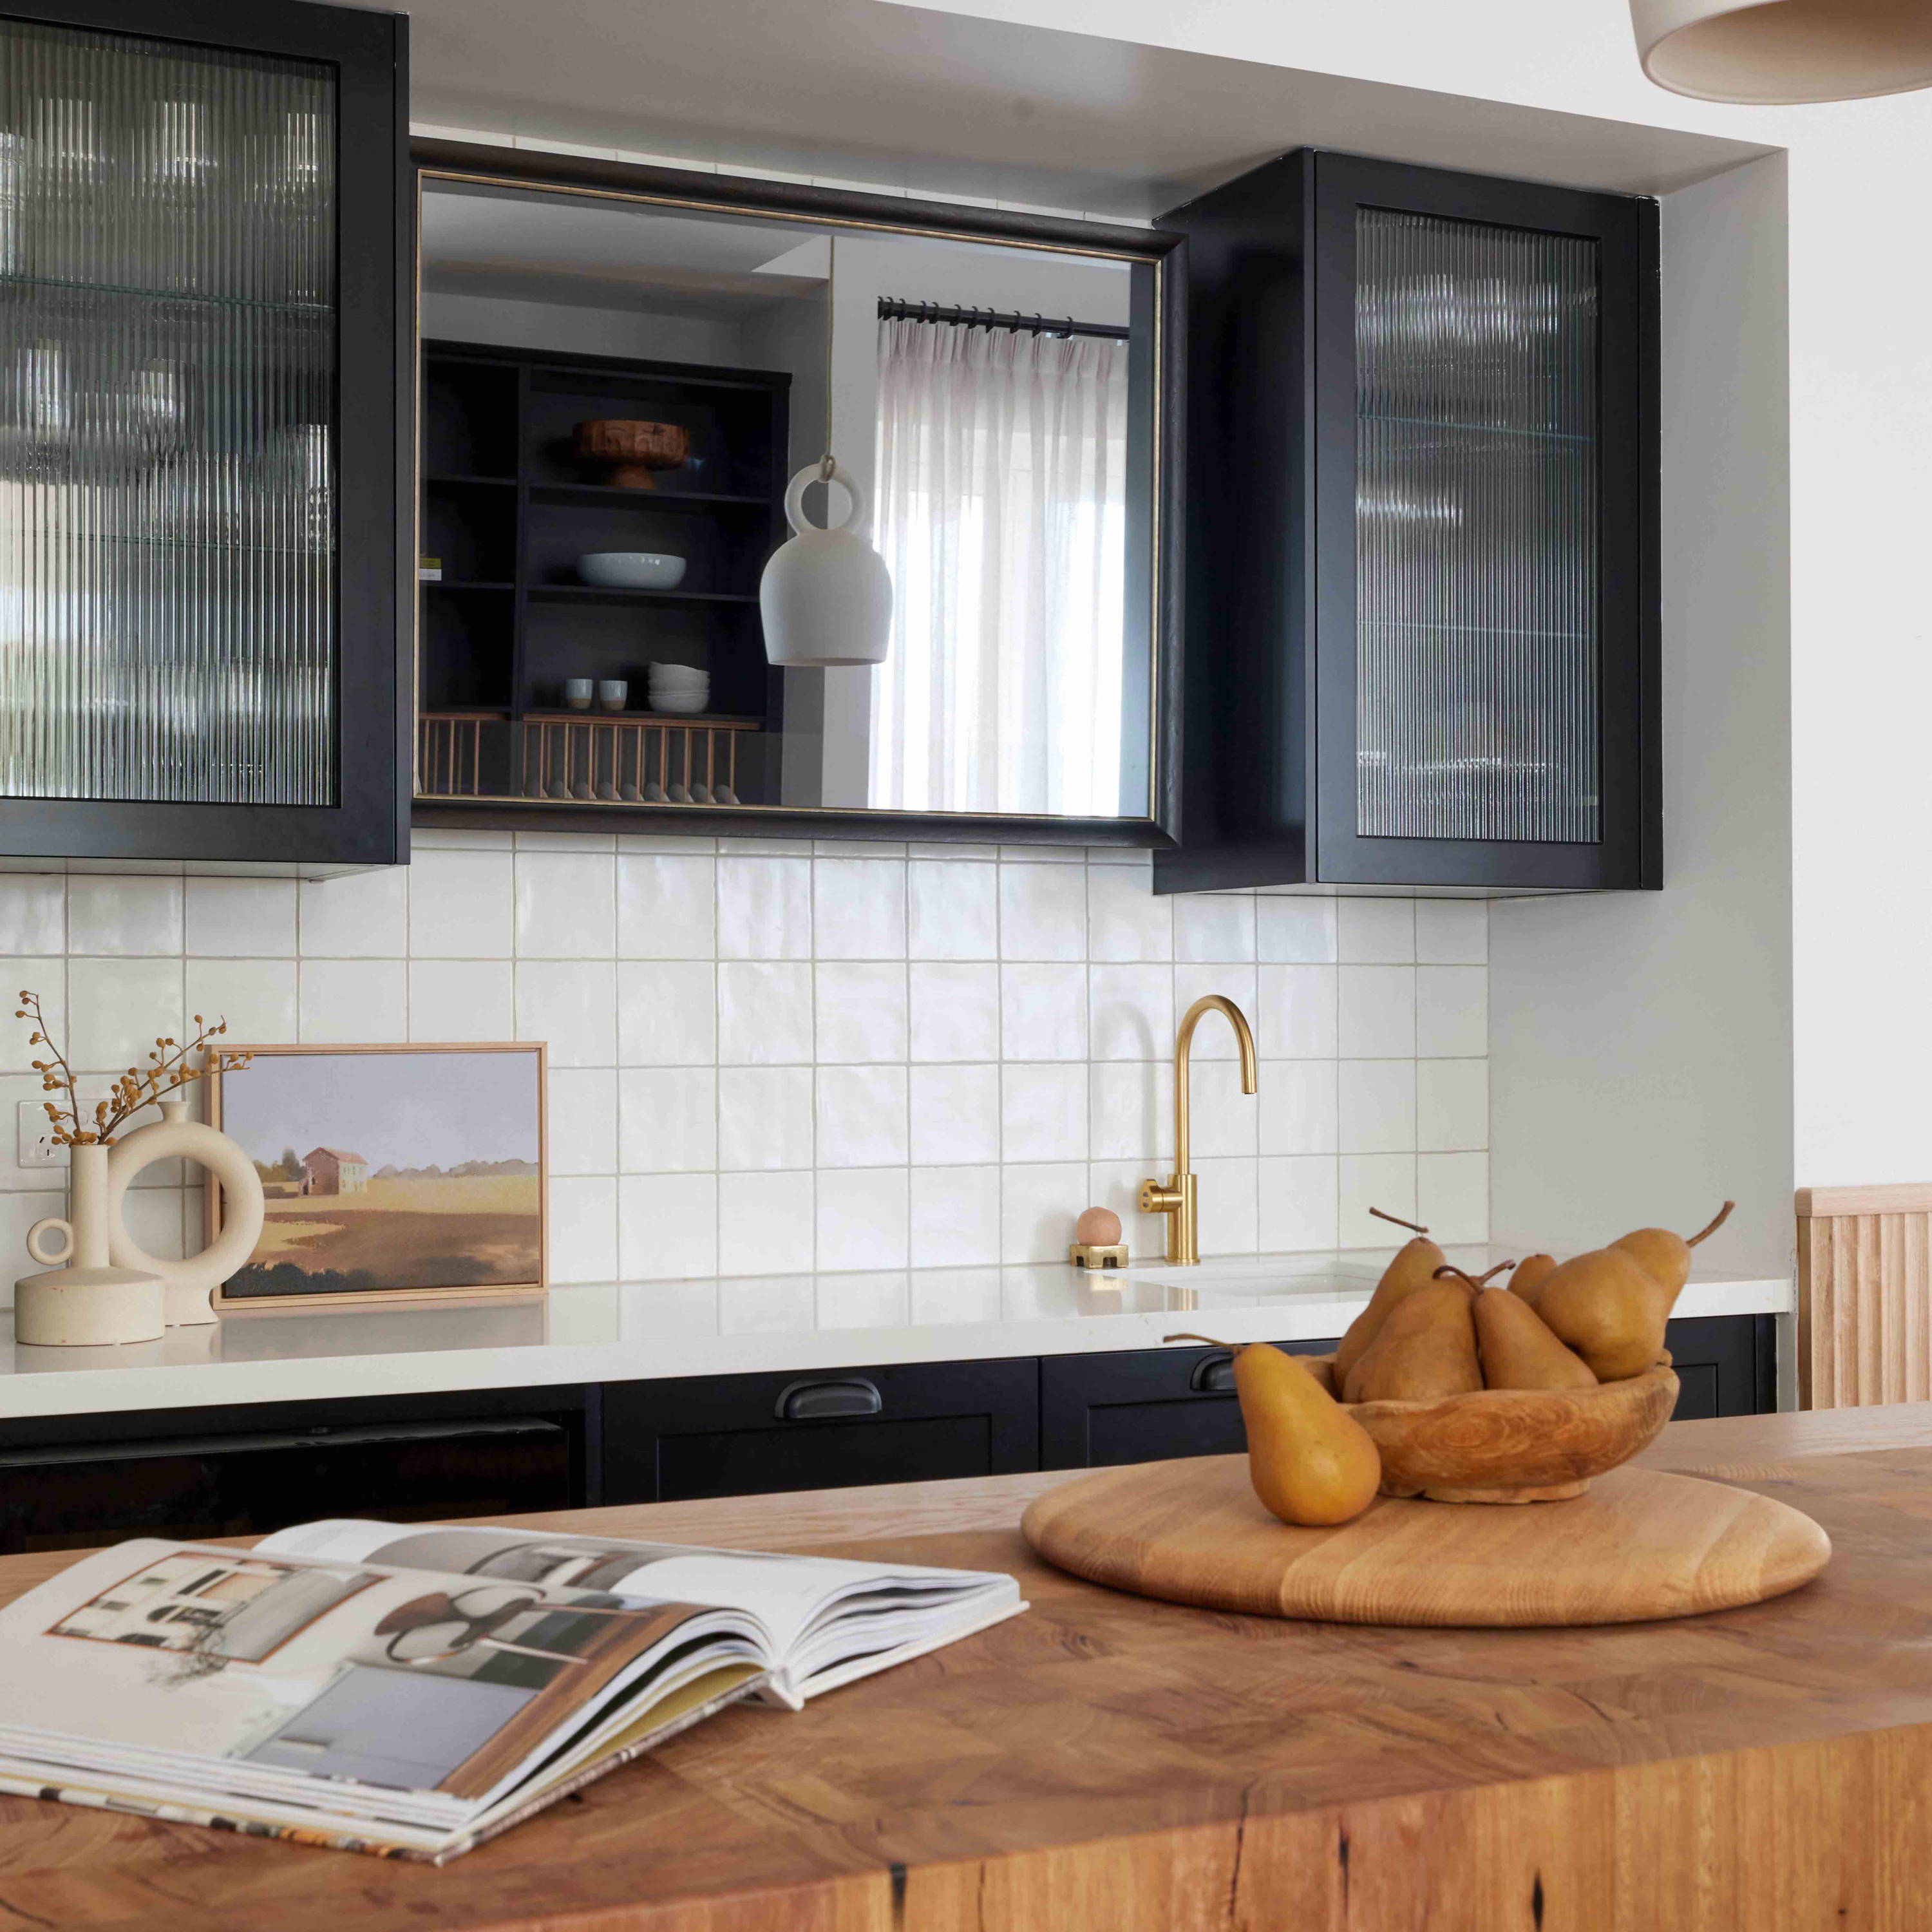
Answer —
(171, 1066)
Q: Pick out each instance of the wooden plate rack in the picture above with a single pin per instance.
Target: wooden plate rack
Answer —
(596, 759)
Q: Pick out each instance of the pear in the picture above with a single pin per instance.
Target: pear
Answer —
(1610, 1305)
(1413, 1267)
(1310, 1461)
(1531, 1272)
(1322, 1368)
(1667, 1256)
(1518, 1350)
(1425, 1350)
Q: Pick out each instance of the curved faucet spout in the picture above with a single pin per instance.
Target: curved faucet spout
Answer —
(1178, 1198)
(1184, 1055)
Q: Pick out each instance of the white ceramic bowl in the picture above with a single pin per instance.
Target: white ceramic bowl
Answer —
(631, 569)
(674, 673)
(683, 703)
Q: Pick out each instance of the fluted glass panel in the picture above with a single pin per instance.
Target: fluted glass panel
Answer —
(167, 366)
(1477, 550)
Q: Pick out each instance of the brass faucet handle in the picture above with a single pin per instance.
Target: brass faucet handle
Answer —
(1161, 1197)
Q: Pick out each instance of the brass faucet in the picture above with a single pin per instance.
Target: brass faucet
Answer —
(1176, 1198)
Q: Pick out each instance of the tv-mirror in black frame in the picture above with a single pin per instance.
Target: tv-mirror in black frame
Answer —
(554, 770)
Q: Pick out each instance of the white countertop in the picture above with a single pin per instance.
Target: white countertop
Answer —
(624, 1331)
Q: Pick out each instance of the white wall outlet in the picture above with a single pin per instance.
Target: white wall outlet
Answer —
(36, 1148)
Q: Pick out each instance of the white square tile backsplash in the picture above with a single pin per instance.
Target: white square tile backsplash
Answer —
(770, 1056)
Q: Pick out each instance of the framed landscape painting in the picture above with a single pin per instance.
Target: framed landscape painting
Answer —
(391, 1173)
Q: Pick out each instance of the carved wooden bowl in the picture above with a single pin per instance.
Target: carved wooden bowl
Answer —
(1516, 1445)
(635, 449)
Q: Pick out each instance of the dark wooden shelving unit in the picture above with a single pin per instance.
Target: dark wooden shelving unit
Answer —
(507, 507)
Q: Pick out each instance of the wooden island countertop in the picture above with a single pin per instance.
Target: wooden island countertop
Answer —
(1107, 1763)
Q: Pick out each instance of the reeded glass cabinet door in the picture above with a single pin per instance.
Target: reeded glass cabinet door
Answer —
(1477, 550)
(1485, 496)
(176, 285)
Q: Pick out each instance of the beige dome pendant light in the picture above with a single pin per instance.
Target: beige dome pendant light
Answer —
(1777, 51)
(825, 596)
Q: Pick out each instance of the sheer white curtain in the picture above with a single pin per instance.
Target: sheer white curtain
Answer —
(1001, 463)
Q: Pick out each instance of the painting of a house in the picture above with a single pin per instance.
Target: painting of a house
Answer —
(424, 1171)
(334, 1171)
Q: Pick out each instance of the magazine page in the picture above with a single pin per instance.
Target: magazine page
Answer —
(821, 1610)
(382, 1837)
(202, 1674)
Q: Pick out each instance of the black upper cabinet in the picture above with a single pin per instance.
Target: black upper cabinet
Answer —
(1422, 533)
(202, 537)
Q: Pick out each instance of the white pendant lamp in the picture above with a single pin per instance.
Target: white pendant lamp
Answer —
(1768, 51)
(826, 596)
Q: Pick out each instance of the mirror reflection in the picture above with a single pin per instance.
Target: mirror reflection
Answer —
(615, 396)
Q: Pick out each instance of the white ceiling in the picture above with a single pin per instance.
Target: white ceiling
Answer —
(941, 104)
(535, 247)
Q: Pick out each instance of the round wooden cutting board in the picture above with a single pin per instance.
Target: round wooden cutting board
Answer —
(1638, 1544)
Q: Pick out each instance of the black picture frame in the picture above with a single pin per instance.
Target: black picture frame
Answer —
(1157, 548)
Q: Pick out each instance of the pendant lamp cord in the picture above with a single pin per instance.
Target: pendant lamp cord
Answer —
(826, 464)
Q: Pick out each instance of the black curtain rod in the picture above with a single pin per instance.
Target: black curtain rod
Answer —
(892, 310)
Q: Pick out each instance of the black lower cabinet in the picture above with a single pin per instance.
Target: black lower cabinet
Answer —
(1146, 1405)
(1725, 1364)
(247, 1470)
(731, 1435)
(69, 1481)
(1149, 1404)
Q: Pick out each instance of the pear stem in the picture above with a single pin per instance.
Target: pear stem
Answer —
(1231, 1346)
(1414, 1227)
(1450, 1269)
(1724, 1214)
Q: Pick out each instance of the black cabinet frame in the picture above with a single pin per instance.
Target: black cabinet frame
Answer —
(1271, 762)
(368, 824)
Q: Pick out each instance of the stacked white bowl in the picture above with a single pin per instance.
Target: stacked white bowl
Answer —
(679, 688)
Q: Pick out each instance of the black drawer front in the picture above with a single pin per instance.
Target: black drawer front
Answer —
(1148, 1405)
(729, 1436)
(241, 1485)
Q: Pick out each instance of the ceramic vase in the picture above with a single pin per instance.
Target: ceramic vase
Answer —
(826, 596)
(88, 1302)
(189, 1284)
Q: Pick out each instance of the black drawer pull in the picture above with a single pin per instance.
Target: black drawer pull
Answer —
(815, 1401)
(1214, 1375)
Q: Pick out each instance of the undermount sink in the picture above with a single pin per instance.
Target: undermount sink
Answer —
(1265, 1277)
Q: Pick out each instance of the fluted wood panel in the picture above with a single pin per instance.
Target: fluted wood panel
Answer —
(1864, 1295)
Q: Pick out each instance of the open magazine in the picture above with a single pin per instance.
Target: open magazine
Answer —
(411, 1689)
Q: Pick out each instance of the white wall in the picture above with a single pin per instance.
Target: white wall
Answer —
(1641, 1063)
